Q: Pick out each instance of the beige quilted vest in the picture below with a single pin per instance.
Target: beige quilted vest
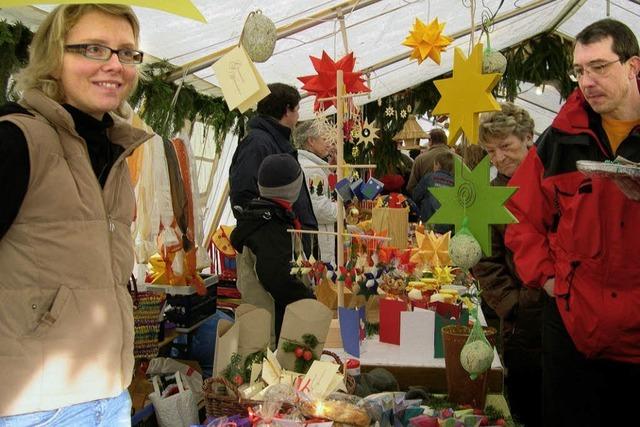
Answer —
(66, 319)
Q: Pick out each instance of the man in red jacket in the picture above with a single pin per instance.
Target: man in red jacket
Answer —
(577, 236)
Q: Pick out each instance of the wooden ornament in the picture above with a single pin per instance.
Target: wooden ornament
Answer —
(473, 197)
(466, 95)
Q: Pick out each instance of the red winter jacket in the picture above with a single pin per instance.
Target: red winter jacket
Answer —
(581, 230)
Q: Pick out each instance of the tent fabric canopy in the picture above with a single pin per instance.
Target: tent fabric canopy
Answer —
(372, 29)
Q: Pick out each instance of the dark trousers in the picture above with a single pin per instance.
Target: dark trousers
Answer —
(523, 385)
(583, 392)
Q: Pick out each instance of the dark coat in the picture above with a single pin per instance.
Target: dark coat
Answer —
(262, 227)
(519, 307)
(266, 136)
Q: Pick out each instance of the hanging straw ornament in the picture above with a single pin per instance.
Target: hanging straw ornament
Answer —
(258, 36)
(477, 353)
(464, 249)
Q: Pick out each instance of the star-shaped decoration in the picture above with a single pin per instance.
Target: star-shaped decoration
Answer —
(427, 41)
(473, 196)
(328, 131)
(324, 84)
(366, 133)
(433, 249)
(389, 112)
(443, 275)
(466, 95)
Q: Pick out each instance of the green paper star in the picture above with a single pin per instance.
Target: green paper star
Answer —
(473, 196)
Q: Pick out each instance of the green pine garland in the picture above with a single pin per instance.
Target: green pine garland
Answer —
(14, 54)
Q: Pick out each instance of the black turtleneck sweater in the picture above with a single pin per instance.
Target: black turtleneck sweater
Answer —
(14, 157)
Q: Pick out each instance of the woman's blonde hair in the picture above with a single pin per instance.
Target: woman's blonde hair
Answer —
(47, 47)
(511, 120)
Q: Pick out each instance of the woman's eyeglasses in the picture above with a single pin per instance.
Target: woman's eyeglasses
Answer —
(103, 53)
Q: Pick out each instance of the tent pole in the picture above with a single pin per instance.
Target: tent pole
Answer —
(340, 175)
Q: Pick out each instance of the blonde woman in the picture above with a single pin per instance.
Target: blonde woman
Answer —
(66, 318)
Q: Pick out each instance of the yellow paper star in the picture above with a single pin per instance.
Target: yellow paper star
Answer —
(443, 275)
(427, 41)
(466, 95)
(432, 249)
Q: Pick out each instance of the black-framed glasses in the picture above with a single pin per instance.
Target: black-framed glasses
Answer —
(99, 52)
(598, 68)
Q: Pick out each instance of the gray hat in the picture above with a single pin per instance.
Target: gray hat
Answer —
(280, 177)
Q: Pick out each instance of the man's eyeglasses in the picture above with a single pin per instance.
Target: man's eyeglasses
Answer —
(593, 69)
(98, 52)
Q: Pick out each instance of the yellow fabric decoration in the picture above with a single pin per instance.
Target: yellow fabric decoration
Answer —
(157, 269)
(427, 41)
(221, 240)
(177, 7)
(466, 95)
(432, 249)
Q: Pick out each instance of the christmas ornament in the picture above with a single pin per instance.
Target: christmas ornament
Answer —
(466, 95)
(476, 358)
(493, 62)
(464, 249)
(367, 133)
(258, 36)
(302, 351)
(323, 84)
(474, 197)
(433, 249)
(389, 112)
(403, 113)
(443, 275)
(427, 41)
(328, 131)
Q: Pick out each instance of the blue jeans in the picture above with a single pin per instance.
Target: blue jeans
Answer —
(111, 412)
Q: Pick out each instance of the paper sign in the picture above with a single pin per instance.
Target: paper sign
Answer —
(241, 84)
(227, 338)
(417, 332)
(322, 379)
(271, 369)
(350, 329)
(255, 329)
(390, 320)
(440, 322)
(306, 316)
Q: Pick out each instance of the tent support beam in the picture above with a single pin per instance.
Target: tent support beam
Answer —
(282, 32)
(571, 8)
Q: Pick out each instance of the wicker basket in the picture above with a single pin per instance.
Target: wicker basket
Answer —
(349, 381)
(222, 398)
(224, 403)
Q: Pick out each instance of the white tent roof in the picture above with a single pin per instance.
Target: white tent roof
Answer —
(374, 31)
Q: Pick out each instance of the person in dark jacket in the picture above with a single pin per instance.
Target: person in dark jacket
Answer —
(506, 135)
(423, 164)
(269, 133)
(262, 227)
(442, 176)
(577, 236)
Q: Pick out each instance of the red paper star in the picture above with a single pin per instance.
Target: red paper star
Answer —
(323, 85)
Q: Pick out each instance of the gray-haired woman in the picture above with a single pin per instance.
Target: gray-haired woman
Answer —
(312, 151)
